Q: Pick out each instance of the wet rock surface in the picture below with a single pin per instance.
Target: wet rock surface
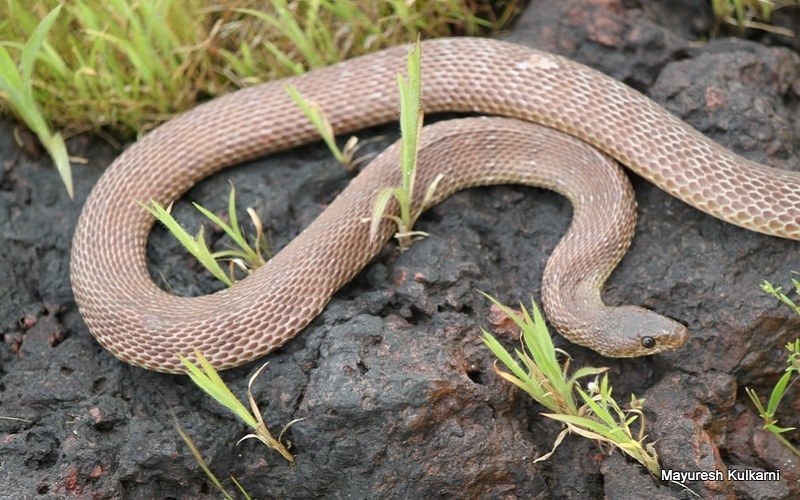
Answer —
(397, 391)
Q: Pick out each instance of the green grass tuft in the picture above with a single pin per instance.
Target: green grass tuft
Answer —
(411, 117)
(17, 89)
(207, 379)
(790, 376)
(744, 15)
(119, 68)
(247, 256)
(598, 416)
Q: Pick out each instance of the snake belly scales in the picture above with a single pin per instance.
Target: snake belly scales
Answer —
(145, 326)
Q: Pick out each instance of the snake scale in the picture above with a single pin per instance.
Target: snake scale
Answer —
(143, 325)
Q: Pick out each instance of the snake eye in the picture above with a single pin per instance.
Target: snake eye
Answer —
(648, 342)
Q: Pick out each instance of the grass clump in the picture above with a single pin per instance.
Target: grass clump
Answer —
(207, 379)
(16, 88)
(411, 116)
(743, 14)
(248, 256)
(592, 413)
(120, 68)
(789, 377)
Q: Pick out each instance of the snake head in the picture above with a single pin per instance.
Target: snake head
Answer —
(640, 332)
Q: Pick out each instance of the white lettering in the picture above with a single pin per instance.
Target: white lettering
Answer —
(753, 475)
(682, 477)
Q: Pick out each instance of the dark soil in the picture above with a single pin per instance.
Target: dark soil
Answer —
(394, 385)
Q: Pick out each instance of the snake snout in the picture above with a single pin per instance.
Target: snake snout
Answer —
(630, 331)
(645, 333)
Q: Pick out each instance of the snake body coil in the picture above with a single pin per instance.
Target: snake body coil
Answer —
(143, 325)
